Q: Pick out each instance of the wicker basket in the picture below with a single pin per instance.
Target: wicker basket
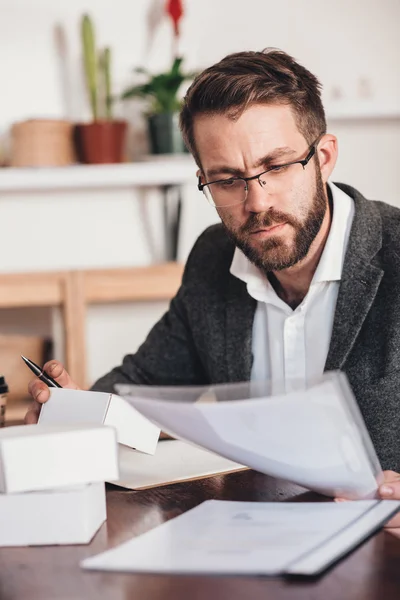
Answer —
(42, 143)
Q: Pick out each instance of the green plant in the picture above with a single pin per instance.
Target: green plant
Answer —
(97, 72)
(90, 62)
(105, 63)
(162, 89)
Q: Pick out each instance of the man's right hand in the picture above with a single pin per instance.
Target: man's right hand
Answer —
(41, 393)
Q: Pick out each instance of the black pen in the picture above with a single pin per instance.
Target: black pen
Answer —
(40, 373)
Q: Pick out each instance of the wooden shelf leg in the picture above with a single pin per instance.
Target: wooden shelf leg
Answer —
(74, 308)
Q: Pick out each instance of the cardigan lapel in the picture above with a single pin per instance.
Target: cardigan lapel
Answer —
(360, 279)
(240, 309)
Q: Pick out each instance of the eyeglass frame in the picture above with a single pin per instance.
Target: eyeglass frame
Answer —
(304, 162)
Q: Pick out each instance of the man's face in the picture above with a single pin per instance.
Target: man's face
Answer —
(274, 228)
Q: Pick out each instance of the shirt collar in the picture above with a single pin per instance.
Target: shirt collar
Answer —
(331, 262)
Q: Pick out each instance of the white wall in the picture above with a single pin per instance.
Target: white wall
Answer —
(353, 47)
(340, 41)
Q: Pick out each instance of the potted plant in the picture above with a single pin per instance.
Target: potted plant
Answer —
(161, 94)
(103, 139)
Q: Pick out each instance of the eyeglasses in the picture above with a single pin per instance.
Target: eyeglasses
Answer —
(277, 179)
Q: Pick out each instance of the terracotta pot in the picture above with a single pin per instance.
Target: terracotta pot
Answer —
(101, 142)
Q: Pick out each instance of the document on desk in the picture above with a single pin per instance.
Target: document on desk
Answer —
(250, 538)
(174, 461)
(315, 438)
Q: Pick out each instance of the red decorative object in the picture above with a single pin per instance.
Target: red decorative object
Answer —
(175, 11)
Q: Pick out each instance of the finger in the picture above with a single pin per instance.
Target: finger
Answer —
(390, 491)
(36, 407)
(389, 476)
(57, 371)
(33, 412)
(38, 390)
(394, 523)
(31, 417)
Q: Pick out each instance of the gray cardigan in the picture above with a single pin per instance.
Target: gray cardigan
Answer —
(205, 336)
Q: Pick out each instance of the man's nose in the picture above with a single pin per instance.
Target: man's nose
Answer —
(259, 199)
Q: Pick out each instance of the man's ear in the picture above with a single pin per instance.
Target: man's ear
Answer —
(327, 155)
(199, 173)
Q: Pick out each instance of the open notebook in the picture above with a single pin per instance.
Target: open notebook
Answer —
(250, 538)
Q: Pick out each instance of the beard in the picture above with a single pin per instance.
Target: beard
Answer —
(274, 254)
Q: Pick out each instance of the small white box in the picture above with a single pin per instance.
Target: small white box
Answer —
(78, 407)
(38, 457)
(63, 516)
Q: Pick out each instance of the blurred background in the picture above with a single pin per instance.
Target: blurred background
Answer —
(98, 199)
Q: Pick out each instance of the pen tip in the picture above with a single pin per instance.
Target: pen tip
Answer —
(23, 357)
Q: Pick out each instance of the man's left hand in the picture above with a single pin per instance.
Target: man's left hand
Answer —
(389, 490)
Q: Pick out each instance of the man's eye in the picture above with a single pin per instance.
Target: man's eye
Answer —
(278, 169)
(226, 183)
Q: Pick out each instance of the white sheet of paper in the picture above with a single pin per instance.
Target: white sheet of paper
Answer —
(172, 462)
(309, 437)
(249, 538)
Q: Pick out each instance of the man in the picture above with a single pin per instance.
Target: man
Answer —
(300, 277)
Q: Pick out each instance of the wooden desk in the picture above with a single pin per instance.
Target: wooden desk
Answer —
(372, 572)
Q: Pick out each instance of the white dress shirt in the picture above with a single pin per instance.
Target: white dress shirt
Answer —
(290, 347)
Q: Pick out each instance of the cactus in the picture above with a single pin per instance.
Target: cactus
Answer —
(90, 62)
(105, 65)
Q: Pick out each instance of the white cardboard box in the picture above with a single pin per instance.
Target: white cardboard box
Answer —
(62, 516)
(77, 407)
(38, 457)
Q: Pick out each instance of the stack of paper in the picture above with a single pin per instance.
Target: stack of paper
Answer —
(250, 538)
(52, 483)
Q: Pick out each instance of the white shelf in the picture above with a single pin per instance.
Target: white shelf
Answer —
(157, 172)
(361, 111)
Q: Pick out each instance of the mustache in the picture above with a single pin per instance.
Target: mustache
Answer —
(264, 220)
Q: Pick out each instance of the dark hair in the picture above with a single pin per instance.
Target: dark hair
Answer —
(245, 78)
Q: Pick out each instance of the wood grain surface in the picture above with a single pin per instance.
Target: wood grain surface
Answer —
(371, 572)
